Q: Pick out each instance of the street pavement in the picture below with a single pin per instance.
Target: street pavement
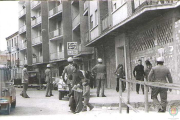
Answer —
(41, 107)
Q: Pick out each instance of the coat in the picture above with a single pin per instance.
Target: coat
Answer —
(100, 71)
(69, 71)
(48, 75)
(159, 73)
(25, 75)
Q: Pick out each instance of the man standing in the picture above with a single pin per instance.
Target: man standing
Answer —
(100, 71)
(48, 81)
(160, 73)
(68, 70)
(138, 73)
(25, 76)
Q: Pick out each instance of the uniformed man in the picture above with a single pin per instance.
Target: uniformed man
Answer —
(68, 70)
(100, 71)
(160, 73)
(138, 73)
(48, 80)
(25, 81)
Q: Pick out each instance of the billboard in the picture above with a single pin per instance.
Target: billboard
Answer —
(72, 48)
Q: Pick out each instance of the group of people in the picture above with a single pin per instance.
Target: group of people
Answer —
(159, 73)
(79, 83)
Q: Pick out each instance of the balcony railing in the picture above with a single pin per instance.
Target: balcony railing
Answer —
(76, 21)
(22, 29)
(55, 10)
(35, 3)
(38, 59)
(57, 55)
(36, 21)
(22, 62)
(86, 3)
(105, 23)
(55, 33)
(23, 45)
(37, 40)
(22, 12)
(138, 4)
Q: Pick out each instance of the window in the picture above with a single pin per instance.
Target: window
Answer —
(60, 47)
(91, 22)
(12, 42)
(96, 18)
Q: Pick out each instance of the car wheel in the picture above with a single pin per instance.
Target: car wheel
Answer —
(13, 105)
(7, 112)
(60, 95)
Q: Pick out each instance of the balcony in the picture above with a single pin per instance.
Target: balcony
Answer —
(76, 22)
(22, 13)
(139, 4)
(86, 5)
(15, 48)
(105, 23)
(36, 21)
(55, 11)
(22, 29)
(23, 62)
(55, 33)
(35, 4)
(79, 48)
(37, 40)
(9, 49)
(38, 59)
(23, 46)
(57, 56)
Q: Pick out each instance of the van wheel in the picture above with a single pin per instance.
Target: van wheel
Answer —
(7, 112)
(13, 105)
(60, 95)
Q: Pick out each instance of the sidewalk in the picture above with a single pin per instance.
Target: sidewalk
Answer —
(136, 100)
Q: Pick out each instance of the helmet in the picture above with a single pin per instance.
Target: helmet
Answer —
(48, 65)
(70, 59)
(99, 60)
(25, 65)
(160, 59)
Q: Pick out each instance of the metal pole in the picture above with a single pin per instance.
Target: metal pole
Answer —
(128, 96)
(120, 95)
(146, 96)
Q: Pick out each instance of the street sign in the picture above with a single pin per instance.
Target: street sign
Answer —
(72, 48)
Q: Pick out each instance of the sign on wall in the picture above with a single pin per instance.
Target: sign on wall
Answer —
(72, 48)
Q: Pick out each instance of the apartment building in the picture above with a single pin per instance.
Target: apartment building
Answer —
(12, 59)
(120, 32)
(3, 58)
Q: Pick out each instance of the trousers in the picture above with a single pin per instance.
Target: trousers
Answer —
(49, 89)
(163, 96)
(25, 87)
(100, 85)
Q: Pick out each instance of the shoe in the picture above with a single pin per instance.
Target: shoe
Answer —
(48, 96)
(97, 95)
(161, 111)
(103, 96)
(27, 97)
(51, 95)
(21, 95)
(84, 110)
(91, 108)
(137, 92)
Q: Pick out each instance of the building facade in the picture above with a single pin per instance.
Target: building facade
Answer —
(13, 61)
(119, 32)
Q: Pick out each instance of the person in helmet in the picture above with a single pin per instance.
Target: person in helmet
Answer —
(100, 71)
(48, 80)
(68, 70)
(160, 73)
(25, 78)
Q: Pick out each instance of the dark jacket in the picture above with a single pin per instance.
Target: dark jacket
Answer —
(138, 72)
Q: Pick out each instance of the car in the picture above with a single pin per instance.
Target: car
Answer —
(63, 88)
(7, 91)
